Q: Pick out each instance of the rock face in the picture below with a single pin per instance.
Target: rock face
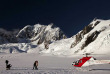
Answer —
(41, 34)
(90, 38)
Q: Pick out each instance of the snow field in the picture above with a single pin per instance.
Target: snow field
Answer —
(22, 63)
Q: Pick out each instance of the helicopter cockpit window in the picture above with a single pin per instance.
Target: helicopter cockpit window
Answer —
(76, 62)
(80, 61)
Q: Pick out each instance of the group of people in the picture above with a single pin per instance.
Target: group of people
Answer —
(8, 66)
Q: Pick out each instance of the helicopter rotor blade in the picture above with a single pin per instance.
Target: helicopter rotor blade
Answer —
(89, 54)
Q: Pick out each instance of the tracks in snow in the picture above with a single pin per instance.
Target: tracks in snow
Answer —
(42, 70)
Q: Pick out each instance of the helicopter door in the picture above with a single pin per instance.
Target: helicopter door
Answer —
(77, 62)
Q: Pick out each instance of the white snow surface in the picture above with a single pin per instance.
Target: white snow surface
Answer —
(22, 63)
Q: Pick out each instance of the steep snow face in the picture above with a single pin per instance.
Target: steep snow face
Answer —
(94, 38)
(37, 31)
(61, 47)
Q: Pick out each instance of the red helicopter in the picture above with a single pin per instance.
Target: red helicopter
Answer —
(87, 61)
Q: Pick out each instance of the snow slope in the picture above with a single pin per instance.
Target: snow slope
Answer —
(96, 40)
(101, 44)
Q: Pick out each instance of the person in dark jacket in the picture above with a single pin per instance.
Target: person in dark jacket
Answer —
(8, 67)
(35, 65)
(6, 62)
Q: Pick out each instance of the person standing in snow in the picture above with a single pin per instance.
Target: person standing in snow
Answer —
(35, 65)
(8, 67)
(6, 62)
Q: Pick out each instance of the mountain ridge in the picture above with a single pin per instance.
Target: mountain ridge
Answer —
(94, 38)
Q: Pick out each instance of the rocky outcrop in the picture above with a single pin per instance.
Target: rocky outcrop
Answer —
(79, 36)
(90, 38)
(26, 32)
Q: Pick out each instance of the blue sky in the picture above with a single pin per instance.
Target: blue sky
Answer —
(70, 15)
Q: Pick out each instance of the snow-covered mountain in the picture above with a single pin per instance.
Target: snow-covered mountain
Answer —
(37, 34)
(40, 34)
(94, 38)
